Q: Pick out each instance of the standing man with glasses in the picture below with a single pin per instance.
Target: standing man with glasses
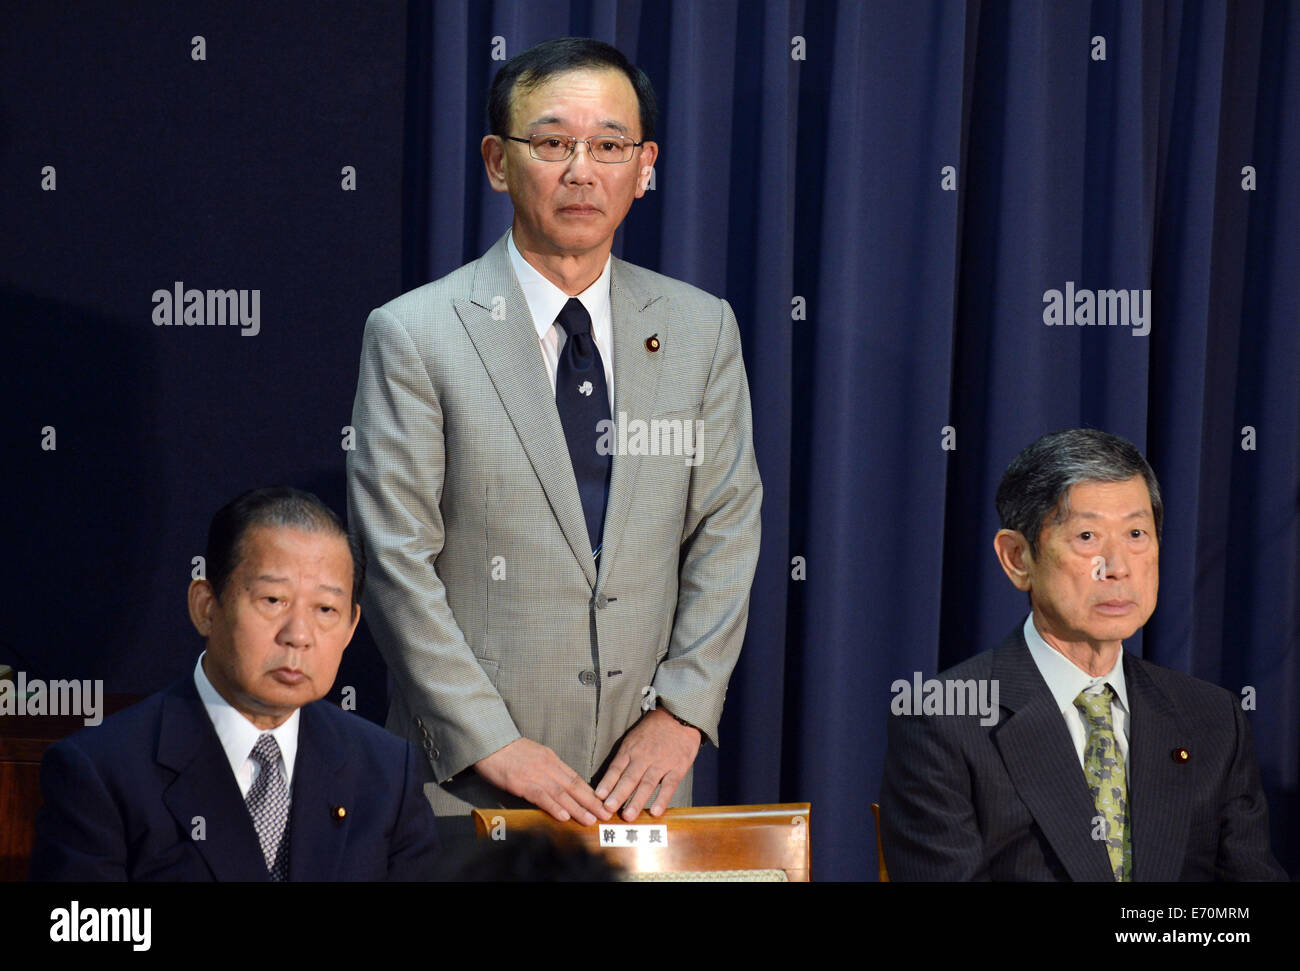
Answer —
(554, 477)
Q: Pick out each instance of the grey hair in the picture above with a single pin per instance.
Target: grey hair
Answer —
(1037, 483)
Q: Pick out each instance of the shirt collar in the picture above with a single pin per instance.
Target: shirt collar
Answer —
(546, 300)
(1063, 678)
(237, 734)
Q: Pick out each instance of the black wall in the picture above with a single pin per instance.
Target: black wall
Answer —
(222, 173)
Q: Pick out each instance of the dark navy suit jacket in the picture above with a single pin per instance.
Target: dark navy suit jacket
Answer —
(125, 800)
(965, 801)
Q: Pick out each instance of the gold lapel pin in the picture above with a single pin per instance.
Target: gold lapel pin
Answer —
(652, 343)
(1181, 755)
(338, 812)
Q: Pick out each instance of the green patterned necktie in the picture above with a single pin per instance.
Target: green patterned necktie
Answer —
(1103, 767)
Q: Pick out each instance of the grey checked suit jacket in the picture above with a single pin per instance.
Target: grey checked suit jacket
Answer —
(965, 801)
(482, 592)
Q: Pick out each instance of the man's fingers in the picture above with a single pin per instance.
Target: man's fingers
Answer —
(625, 786)
(534, 772)
(644, 790)
(563, 798)
(571, 792)
(589, 807)
(667, 786)
(653, 756)
(612, 775)
(575, 809)
(548, 805)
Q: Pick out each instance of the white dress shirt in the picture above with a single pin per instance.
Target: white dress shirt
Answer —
(1065, 681)
(546, 300)
(238, 735)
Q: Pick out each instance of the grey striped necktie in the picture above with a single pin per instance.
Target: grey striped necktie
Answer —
(268, 804)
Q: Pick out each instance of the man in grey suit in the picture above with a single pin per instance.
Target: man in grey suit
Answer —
(1092, 764)
(554, 477)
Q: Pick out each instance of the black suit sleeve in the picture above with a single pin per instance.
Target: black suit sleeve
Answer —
(79, 834)
(413, 848)
(1244, 852)
(927, 816)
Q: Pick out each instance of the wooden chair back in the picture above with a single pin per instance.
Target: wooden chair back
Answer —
(880, 846)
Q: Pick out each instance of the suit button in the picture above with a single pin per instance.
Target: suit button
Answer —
(602, 602)
(587, 677)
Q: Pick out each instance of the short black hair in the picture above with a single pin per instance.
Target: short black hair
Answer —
(533, 66)
(1037, 483)
(281, 506)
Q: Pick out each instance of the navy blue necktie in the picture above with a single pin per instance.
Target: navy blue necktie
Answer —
(583, 402)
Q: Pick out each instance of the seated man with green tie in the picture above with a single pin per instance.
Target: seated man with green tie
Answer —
(1093, 764)
(239, 771)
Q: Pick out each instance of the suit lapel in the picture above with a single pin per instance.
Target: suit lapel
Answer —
(321, 786)
(1043, 765)
(636, 385)
(509, 351)
(1159, 800)
(205, 788)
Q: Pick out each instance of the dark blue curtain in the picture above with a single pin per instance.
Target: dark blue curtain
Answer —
(886, 192)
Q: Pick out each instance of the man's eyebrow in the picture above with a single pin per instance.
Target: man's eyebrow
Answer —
(1135, 514)
(618, 126)
(267, 578)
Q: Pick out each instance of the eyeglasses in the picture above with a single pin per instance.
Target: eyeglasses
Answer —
(609, 149)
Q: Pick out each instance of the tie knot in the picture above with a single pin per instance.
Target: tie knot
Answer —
(1095, 705)
(574, 318)
(266, 752)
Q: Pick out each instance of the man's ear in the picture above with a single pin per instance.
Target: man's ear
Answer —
(356, 619)
(645, 166)
(494, 160)
(203, 604)
(1012, 550)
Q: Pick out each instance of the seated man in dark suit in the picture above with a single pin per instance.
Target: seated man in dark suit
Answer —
(1089, 768)
(239, 771)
